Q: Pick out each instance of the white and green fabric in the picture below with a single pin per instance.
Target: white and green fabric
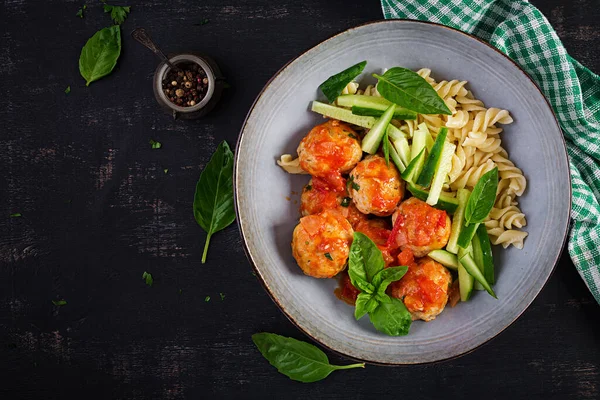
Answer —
(519, 30)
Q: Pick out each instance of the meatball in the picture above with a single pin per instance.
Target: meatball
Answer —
(321, 243)
(375, 187)
(423, 289)
(329, 150)
(318, 196)
(420, 227)
(378, 230)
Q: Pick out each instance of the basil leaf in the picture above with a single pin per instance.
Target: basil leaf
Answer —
(383, 278)
(117, 13)
(295, 359)
(59, 303)
(391, 318)
(482, 198)
(100, 54)
(365, 260)
(365, 303)
(334, 85)
(147, 277)
(213, 200)
(407, 89)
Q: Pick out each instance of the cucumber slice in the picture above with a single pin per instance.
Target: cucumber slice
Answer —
(469, 265)
(395, 133)
(342, 114)
(478, 258)
(433, 160)
(466, 234)
(372, 104)
(400, 113)
(457, 220)
(443, 169)
(403, 149)
(486, 250)
(445, 201)
(418, 144)
(411, 168)
(372, 140)
(445, 258)
(465, 280)
(396, 158)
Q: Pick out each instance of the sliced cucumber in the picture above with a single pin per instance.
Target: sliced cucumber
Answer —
(457, 220)
(395, 133)
(371, 105)
(478, 258)
(411, 169)
(471, 267)
(466, 233)
(486, 250)
(445, 258)
(400, 113)
(396, 158)
(445, 201)
(433, 159)
(372, 140)
(418, 144)
(443, 169)
(465, 280)
(342, 114)
(403, 149)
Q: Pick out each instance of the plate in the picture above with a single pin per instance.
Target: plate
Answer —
(280, 118)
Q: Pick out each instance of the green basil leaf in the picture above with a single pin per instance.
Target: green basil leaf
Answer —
(365, 260)
(147, 277)
(295, 359)
(59, 303)
(100, 54)
(392, 274)
(482, 198)
(334, 85)
(407, 89)
(360, 307)
(213, 201)
(117, 13)
(391, 318)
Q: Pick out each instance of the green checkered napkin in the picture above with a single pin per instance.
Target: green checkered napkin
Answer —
(520, 31)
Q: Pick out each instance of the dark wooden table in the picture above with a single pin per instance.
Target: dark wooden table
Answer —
(98, 210)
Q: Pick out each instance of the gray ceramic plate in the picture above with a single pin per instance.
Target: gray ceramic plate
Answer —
(280, 118)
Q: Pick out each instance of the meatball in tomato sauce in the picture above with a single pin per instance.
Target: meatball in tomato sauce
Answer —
(321, 243)
(420, 227)
(318, 196)
(375, 186)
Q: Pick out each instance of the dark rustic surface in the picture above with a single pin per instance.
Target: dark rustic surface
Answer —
(98, 210)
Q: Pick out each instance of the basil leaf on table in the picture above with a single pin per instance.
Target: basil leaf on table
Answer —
(295, 359)
(213, 200)
(117, 13)
(392, 274)
(391, 318)
(482, 198)
(100, 54)
(335, 84)
(407, 89)
(365, 260)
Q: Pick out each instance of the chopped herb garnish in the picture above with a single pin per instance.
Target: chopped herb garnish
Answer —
(203, 22)
(80, 11)
(222, 296)
(155, 144)
(68, 90)
(329, 256)
(59, 303)
(117, 13)
(180, 291)
(352, 184)
(207, 299)
(345, 202)
(308, 187)
(148, 278)
(353, 136)
(16, 215)
(166, 170)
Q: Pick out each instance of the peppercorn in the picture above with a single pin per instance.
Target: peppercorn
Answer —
(187, 86)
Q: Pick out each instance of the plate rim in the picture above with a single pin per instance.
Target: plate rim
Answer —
(243, 234)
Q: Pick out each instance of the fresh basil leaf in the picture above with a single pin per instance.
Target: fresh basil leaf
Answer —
(482, 198)
(365, 260)
(360, 307)
(155, 144)
(295, 359)
(407, 89)
(391, 318)
(68, 89)
(147, 277)
(117, 13)
(392, 274)
(213, 201)
(100, 54)
(59, 303)
(80, 11)
(334, 85)
(207, 299)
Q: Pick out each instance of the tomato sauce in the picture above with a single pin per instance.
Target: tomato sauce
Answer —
(346, 290)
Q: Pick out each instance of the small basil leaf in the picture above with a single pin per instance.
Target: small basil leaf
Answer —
(213, 201)
(100, 54)
(335, 84)
(365, 260)
(391, 318)
(360, 307)
(407, 89)
(392, 274)
(482, 198)
(295, 359)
